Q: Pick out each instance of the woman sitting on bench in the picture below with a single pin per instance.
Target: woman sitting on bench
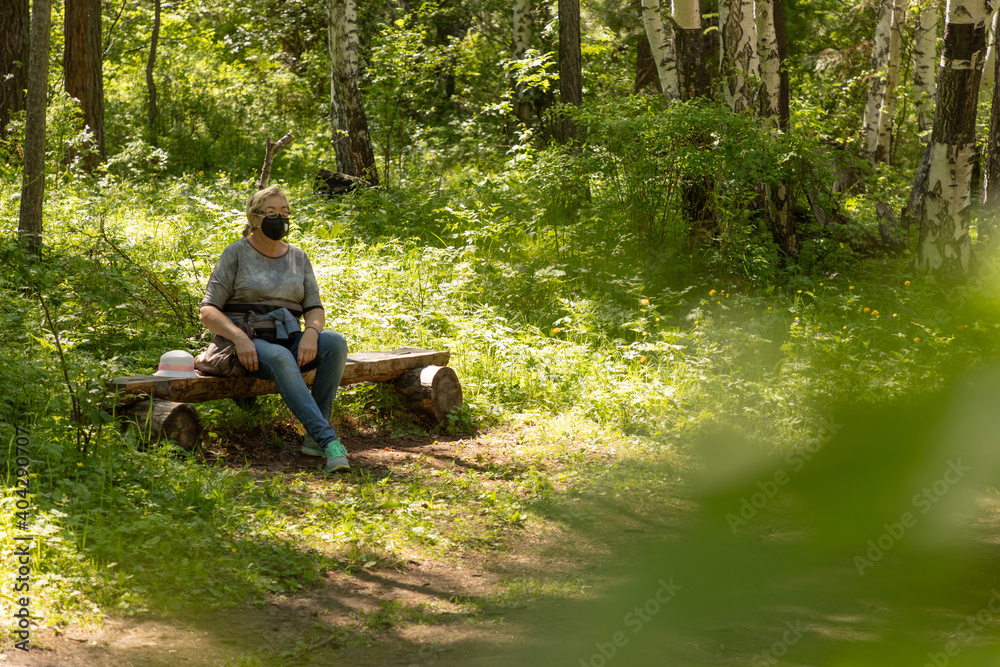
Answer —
(269, 284)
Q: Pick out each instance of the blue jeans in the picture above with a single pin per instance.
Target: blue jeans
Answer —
(278, 363)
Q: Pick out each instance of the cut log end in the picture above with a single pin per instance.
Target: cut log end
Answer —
(166, 420)
(435, 390)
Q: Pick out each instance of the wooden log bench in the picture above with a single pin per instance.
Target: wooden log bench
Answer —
(159, 405)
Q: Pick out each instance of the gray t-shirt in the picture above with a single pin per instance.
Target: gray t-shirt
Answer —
(244, 275)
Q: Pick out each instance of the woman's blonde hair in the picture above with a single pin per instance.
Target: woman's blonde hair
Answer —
(258, 198)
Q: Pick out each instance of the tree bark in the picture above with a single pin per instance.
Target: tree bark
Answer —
(14, 46)
(924, 67)
(433, 389)
(879, 65)
(991, 170)
(991, 53)
(661, 45)
(33, 177)
(689, 39)
(776, 196)
(570, 71)
(166, 420)
(883, 147)
(740, 61)
(150, 64)
(344, 58)
(83, 69)
(784, 87)
(338, 123)
(945, 248)
(520, 44)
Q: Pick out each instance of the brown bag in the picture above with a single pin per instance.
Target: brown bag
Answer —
(220, 358)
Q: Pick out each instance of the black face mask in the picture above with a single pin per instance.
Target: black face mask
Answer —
(274, 227)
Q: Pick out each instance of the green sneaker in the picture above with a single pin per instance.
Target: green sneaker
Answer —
(310, 448)
(336, 457)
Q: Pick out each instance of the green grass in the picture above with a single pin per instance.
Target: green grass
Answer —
(604, 382)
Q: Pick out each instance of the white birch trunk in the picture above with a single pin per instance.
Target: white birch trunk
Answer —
(924, 67)
(991, 54)
(740, 61)
(521, 43)
(770, 64)
(338, 124)
(883, 147)
(945, 247)
(879, 66)
(344, 59)
(662, 46)
(522, 28)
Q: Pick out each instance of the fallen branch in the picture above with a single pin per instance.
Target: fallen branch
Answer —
(272, 150)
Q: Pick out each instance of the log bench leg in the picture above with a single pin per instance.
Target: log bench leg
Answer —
(166, 420)
(432, 389)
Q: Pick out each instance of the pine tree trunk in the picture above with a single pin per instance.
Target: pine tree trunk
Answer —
(689, 39)
(83, 68)
(150, 64)
(925, 67)
(570, 70)
(883, 149)
(33, 177)
(344, 60)
(740, 62)
(661, 45)
(521, 44)
(14, 23)
(945, 247)
(879, 66)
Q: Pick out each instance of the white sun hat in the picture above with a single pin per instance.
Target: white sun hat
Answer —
(176, 364)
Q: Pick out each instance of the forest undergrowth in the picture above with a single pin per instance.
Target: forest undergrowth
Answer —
(623, 367)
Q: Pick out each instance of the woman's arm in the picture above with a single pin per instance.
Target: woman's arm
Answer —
(309, 342)
(220, 325)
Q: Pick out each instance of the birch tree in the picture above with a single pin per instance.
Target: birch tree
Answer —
(338, 122)
(945, 248)
(740, 60)
(776, 195)
(29, 227)
(13, 58)
(881, 102)
(991, 53)
(521, 43)
(661, 45)
(924, 66)
(351, 116)
(991, 169)
(689, 40)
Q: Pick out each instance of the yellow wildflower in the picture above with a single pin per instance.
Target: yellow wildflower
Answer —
(917, 339)
(556, 330)
(906, 284)
(850, 287)
(866, 309)
(644, 302)
(642, 360)
(875, 313)
(711, 293)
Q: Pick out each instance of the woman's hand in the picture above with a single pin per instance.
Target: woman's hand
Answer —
(246, 351)
(308, 345)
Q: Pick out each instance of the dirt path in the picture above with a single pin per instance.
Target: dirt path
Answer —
(638, 588)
